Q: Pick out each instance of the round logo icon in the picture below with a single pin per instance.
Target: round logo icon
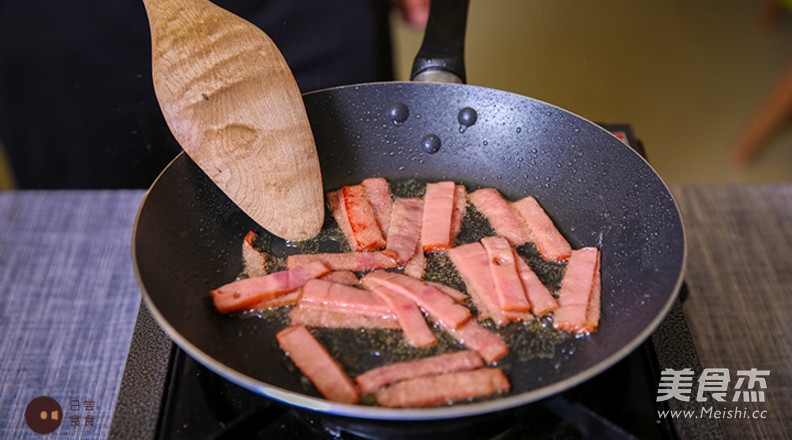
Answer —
(43, 415)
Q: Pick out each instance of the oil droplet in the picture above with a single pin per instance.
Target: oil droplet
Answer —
(467, 117)
(398, 113)
(486, 143)
(431, 143)
(519, 129)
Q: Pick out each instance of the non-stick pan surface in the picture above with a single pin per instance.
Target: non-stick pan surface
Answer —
(600, 193)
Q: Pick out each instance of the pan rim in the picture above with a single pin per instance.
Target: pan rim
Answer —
(416, 414)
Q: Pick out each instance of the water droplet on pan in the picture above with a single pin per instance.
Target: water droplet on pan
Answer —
(398, 113)
(431, 143)
(467, 117)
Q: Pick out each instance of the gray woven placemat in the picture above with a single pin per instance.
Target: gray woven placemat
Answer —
(68, 302)
(68, 297)
(739, 271)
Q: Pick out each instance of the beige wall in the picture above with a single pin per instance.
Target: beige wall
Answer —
(687, 75)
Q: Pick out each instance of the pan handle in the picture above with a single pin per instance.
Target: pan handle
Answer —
(442, 54)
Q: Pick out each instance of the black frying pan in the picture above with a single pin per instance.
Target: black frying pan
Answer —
(598, 191)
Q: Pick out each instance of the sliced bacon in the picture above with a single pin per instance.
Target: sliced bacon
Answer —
(504, 219)
(471, 261)
(460, 205)
(341, 277)
(334, 296)
(354, 261)
(437, 214)
(542, 301)
(444, 388)
(503, 269)
(241, 295)
(593, 309)
(379, 195)
(551, 244)
(362, 219)
(405, 229)
(255, 262)
(338, 209)
(317, 364)
(576, 293)
(288, 299)
(487, 344)
(439, 306)
(415, 267)
(411, 320)
(456, 295)
(318, 317)
(377, 378)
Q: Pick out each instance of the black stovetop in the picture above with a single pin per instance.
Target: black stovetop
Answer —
(616, 404)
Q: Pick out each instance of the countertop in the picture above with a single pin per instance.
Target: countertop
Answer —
(69, 300)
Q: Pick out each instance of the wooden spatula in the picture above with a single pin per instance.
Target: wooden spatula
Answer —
(232, 103)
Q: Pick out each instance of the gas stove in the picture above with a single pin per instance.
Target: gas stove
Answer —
(166, 394)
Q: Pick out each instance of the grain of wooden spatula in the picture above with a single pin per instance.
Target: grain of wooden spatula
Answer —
(232, 103)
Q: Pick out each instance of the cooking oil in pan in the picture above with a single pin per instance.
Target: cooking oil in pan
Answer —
(358, 350)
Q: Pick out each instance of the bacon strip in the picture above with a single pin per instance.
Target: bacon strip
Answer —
(504, 219)
(503, 269)
(333, 296)
(411, 320)
(317, 317)
(378, 193)
(288, 299)
(377, 378)
(444, 388)
(542, 301)
(551, 244)
(415, 267)
(241, 295)
(255, 262)
(405, 228)
(456, 295)
(438, 306)
(338, 209)
(577, 292)
(345, 277)
(354, 261)
(460, 205)
(437, 214)
(487, 344)
(340, 276)
(472, 263)
(314, 361)
(593, 310)
(362, 219)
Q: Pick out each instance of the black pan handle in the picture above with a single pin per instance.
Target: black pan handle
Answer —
(442, 54)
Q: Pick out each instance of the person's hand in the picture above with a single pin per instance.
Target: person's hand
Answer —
(413, 12)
